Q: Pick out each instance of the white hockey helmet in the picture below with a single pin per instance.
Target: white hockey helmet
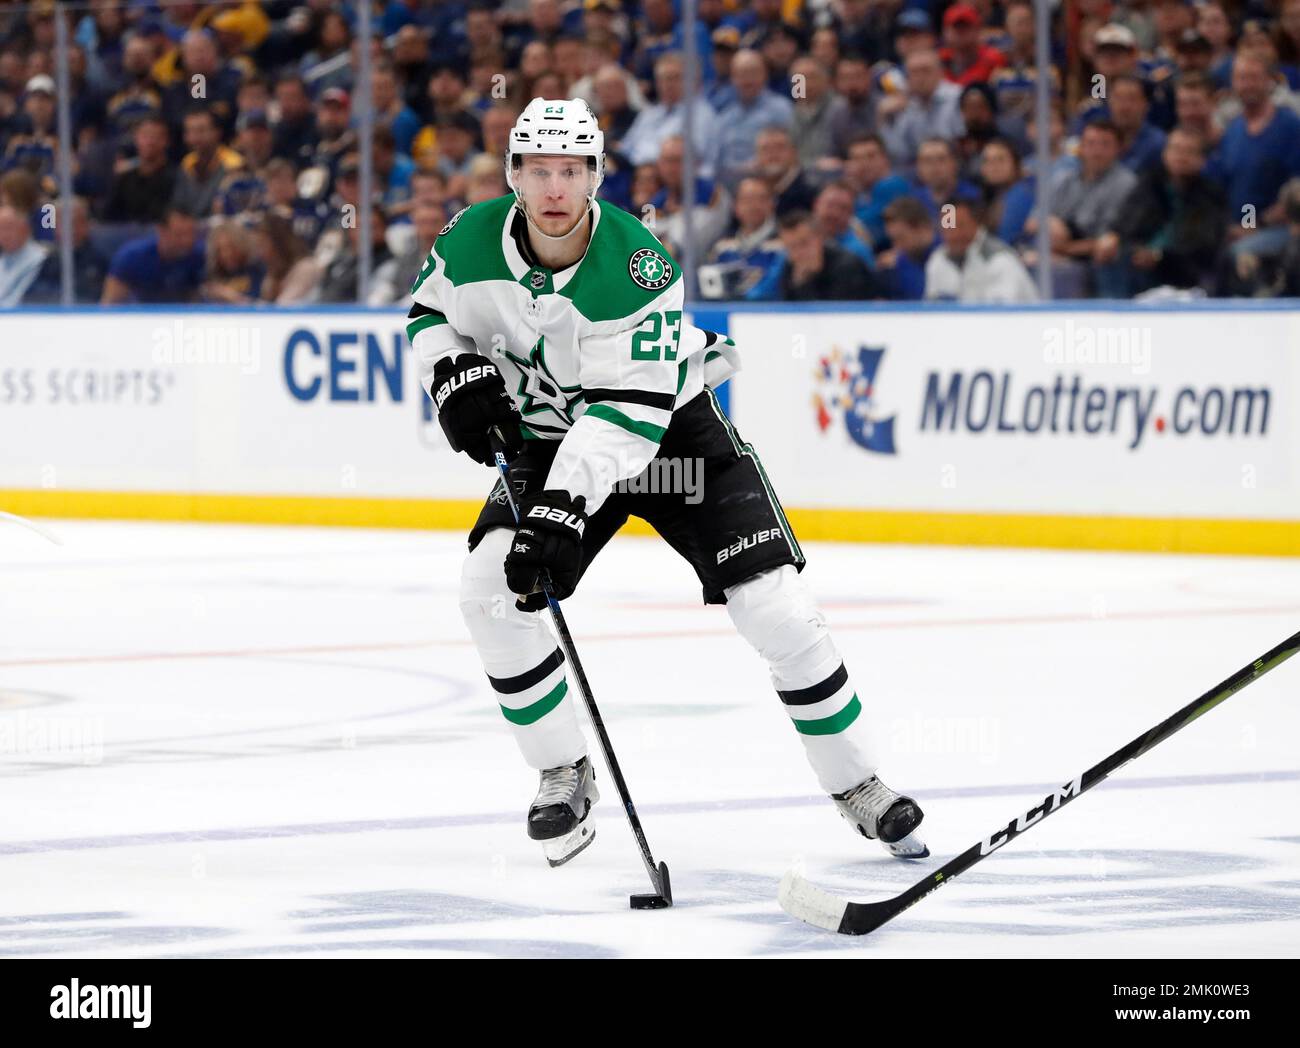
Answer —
(557, 127)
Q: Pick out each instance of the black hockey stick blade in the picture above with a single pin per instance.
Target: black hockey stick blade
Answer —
(660, 900)
(810, 904)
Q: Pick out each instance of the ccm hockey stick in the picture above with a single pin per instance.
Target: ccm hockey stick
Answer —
(809, 903)
(662, 896)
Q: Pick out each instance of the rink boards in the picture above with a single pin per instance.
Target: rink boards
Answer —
(1133, 427)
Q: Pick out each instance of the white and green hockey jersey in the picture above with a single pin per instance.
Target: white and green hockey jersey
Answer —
(596, 355)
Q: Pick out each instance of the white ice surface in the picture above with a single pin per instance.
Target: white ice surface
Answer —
(240, 741)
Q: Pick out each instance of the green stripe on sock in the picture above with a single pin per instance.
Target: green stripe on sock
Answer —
(416, 326)
(647, 430)
(833, 724)
(539, 709)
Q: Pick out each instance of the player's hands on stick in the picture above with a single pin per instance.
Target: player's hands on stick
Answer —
(548, 540)
(471, 399)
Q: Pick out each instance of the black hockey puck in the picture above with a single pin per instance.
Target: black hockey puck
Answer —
(656, 901)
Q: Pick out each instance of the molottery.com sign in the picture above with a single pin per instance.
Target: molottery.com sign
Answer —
(1157, 414)
(984, 401)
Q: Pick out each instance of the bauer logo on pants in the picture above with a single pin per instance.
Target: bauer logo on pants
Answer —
(766, 535)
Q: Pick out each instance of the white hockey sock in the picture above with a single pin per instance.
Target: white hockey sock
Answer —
(775, 613)
(521, 658)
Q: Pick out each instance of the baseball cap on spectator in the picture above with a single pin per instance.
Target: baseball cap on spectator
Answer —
(40, 82)
(253, 118)
(335, 96)
(1192, 40)
(1115, 35)
(913, 20)
(961, 14)
(726, 37)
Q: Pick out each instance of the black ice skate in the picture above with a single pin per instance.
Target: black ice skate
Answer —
(880, 814)
(560, 815)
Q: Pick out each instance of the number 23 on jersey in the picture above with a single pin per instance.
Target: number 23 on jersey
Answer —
(647, 344)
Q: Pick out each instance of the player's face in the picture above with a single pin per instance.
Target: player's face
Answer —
(555, 190)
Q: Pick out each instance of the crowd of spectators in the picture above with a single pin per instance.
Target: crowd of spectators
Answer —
(844, 149)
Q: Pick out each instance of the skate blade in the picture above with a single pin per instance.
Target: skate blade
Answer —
(559, 850)
(910, 847)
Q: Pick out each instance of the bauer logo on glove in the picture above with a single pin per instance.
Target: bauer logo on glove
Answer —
(471, 399)
(461, 380)
(576, 521)
(547, 544)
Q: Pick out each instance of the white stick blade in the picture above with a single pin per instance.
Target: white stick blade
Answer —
(808, 903)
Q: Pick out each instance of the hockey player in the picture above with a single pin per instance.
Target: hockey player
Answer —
(557, 320)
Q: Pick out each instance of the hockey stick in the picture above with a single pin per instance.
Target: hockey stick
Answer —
(811, 904)
(663, 894)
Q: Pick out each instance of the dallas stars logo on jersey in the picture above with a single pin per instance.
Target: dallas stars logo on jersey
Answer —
(538, 389)
(650, 269)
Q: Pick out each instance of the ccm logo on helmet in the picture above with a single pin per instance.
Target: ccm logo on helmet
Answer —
(460, 381)
(550, 131)
(569, 520)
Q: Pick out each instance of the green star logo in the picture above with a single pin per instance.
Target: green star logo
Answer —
(538, 388)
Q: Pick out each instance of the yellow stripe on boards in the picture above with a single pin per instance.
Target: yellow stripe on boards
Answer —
(1151, 534)
(1167, 534)
(247, 509)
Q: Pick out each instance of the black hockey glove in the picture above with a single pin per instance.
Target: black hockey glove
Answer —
(548, 539)
(471, 398)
